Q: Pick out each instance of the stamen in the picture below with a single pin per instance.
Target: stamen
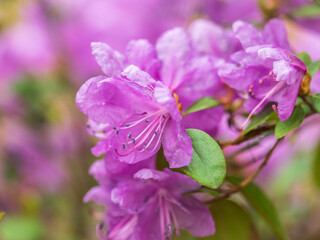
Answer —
(146, 138)
(274, 107)
(269, 94)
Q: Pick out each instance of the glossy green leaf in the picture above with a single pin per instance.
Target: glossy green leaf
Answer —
(262, 204)
(315, 99)
(314, 67)
(21, 228)
(231, 222)
(307, 11)
(201, 104)
(208, 166)
(316, 167)
(305, 58)
(284, 127)
(262, 117)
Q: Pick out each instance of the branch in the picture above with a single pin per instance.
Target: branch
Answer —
(252, 134)
(245, 182)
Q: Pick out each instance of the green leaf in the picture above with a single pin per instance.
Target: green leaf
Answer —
(201, 104)
(314, 67)
(231, 222)
(307, 11)
(284, 127)
(262, 204)
(1, 215)
(305, 58)
(316, 167)
(262, 117)
(208, 166)
(315, 99)
(21, 228)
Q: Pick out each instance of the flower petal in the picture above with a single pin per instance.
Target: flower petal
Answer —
(151, 174)
(110, 61)
(177, 145)
(275, 33)
(197, 220)
(247, 34)
(142, 54)
(173, 49)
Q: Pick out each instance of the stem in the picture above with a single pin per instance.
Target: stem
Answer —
(252, 134)
(249, 179)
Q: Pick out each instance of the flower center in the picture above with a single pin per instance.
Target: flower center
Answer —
(143, 134)
(168, 219)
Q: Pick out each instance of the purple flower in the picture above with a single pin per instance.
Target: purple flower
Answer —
(139, 113)
(157, 199)
(109, 173)
(265, 69)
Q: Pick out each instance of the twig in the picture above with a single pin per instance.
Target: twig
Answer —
(252, 134)
(249, 179)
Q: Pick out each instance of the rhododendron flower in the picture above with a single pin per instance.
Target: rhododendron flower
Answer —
(140, 114)
(157, 199)
(109, 173)
(265, 69)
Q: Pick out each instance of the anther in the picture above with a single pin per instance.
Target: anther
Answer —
(117, 131)
(144, 145)
(114, 128)
(147, 120)
(129, 135)
(133, 140)
(127, 124)
(164, 117)
(123, 146)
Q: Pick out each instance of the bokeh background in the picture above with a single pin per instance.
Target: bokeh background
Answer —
(45, 56)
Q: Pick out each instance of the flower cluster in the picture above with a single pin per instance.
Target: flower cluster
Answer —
(138, 105)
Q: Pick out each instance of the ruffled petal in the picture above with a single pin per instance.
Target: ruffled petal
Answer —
(104, 100)
(275, 33)
(97, 194)
(197, 219)
(179, 184)
(247, 34)
(142, 54)
(132, 195)
(110, 61)
(145, 174)
(287, 102)
(177, 145)
(209, 38)
(173, 49)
